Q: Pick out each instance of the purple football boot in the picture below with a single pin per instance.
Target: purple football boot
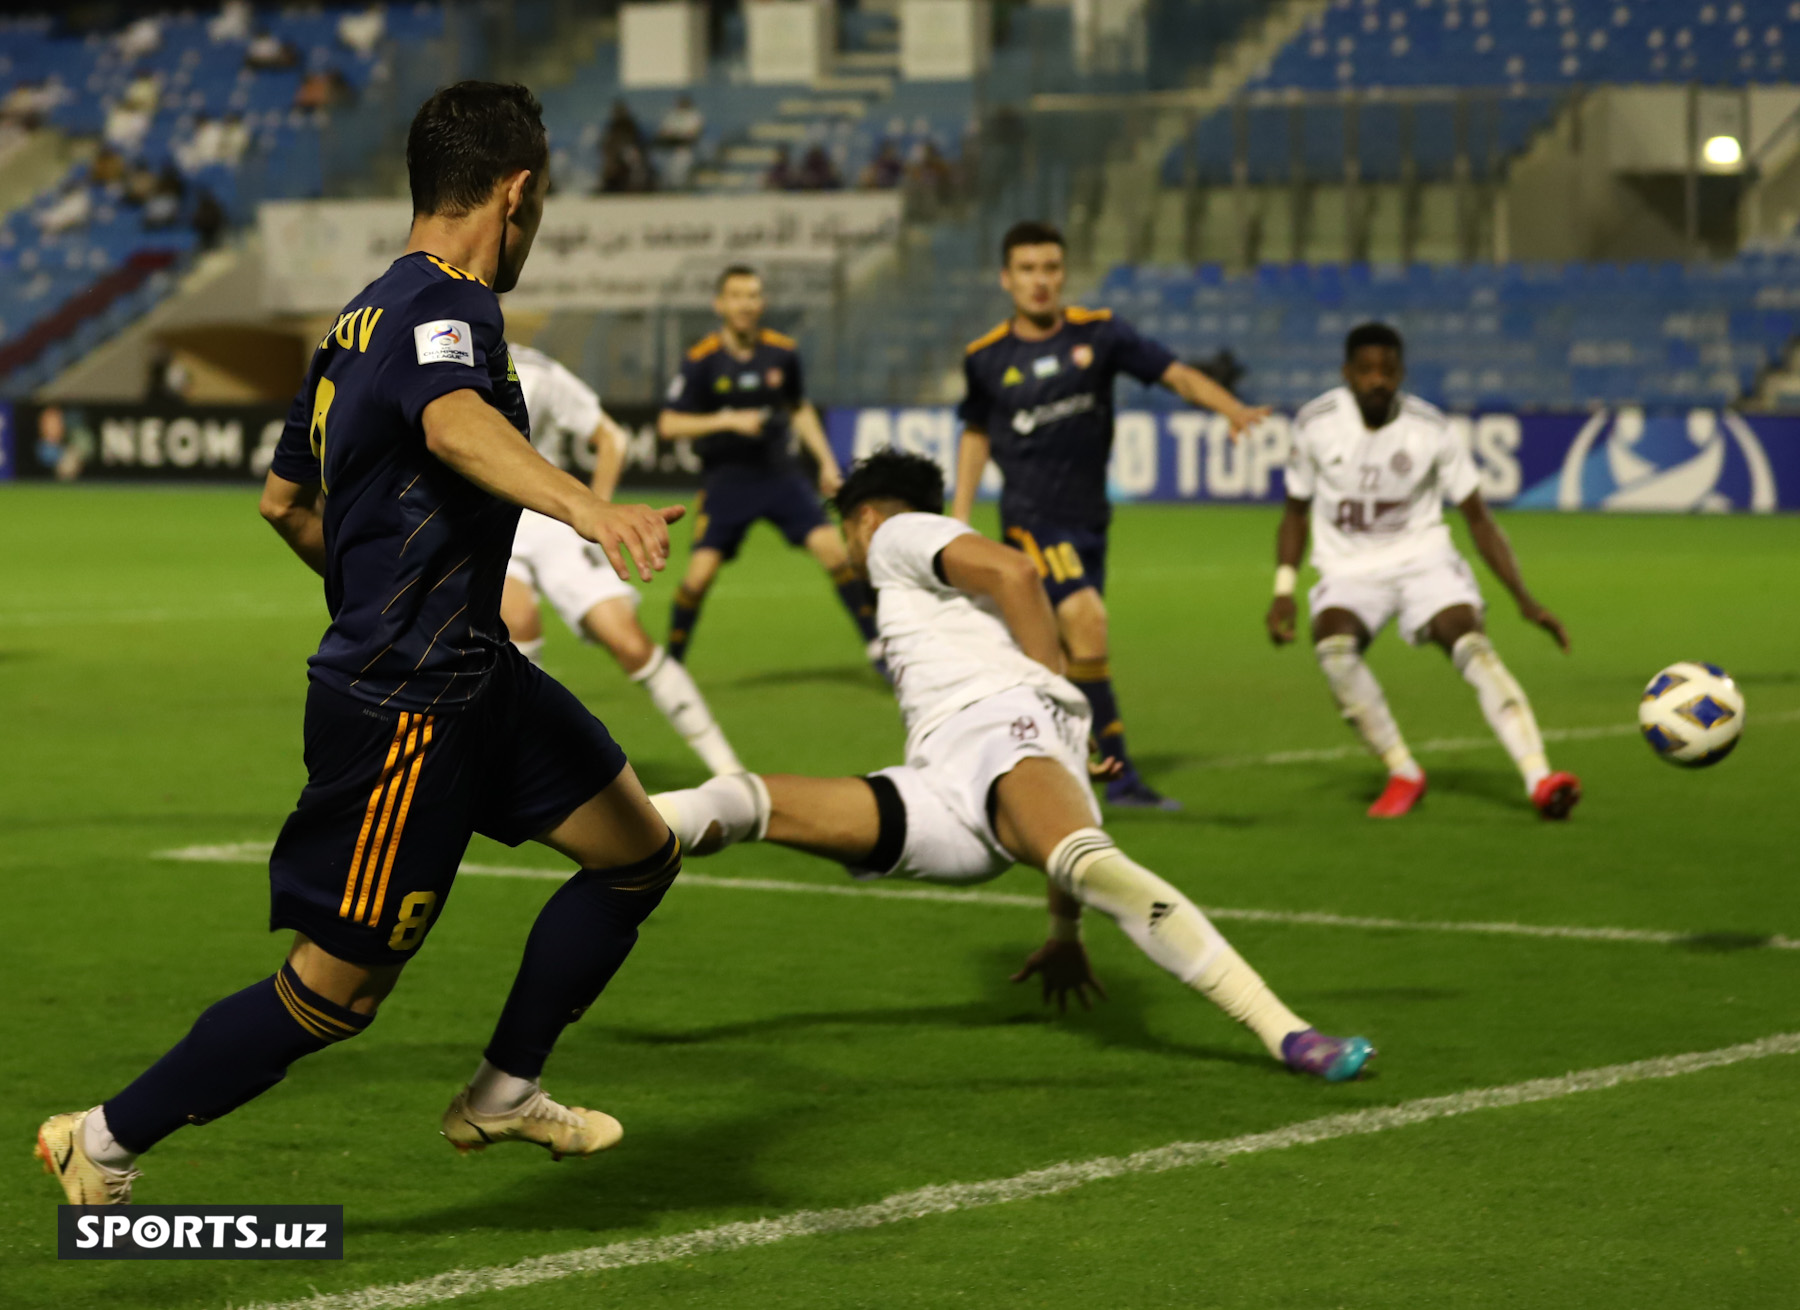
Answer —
(1335, 1059)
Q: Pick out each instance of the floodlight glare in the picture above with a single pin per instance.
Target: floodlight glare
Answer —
(1723, 152)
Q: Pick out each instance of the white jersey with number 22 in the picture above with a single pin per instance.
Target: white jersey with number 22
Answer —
(1377, 496)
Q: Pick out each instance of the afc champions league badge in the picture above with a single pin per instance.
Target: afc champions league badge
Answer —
(1401, 463)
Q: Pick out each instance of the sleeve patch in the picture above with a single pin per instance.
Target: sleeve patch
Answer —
(444, 341)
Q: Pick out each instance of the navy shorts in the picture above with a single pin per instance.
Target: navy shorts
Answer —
(364, 864)
(725, 511)
(1068, 559)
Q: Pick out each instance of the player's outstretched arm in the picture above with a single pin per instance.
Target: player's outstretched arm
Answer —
(981, 567)
(607, 441)
(675, 425)
(469, 435)
(971, 463)
(292, 509)
(811, 431)
(1490, 540)
(1290, 545)
(1201, 391)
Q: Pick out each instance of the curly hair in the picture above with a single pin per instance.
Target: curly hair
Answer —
(913, 480)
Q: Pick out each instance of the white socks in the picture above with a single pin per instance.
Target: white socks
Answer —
(494, 1091)
(532, 650)
(1171, 930)
(720, 812)
(100, 1146)
(1503, 703)
(1360, 699)
(672, 690)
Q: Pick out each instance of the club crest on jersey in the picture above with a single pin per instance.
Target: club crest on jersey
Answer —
(1024, 728)
(1012, 377)
(773, 379)
(1082, 355)
(445, 341)
(1045, 366)
(1401, 463)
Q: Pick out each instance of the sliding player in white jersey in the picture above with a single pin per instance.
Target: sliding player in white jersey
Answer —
(1371, 468)
(550, 559)
(996, 765)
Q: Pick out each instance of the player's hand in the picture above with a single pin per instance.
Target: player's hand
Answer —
(1063, 968)
(830, 481)
(1245, 417)
(744, 422)
(1283, 614)
(629, 534)
(1536, 613)
(1102, 768)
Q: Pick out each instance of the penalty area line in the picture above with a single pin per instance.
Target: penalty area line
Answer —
(948, 1198)
(258, 853)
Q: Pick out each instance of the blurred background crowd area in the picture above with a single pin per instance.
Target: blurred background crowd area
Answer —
(1565, 203)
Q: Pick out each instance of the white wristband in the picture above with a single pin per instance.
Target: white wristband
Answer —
(1286, 575)
(1064, 930)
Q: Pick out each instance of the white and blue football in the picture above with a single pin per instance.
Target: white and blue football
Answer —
(1692, 714)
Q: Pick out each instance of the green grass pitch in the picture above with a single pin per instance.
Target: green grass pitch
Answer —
(771, 1053)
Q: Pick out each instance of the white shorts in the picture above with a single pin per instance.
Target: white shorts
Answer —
(1415, 593)
(945, 785)
(574, 575)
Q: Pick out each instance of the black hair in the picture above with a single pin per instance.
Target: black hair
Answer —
(913, 480)
(466, 138)
(1372, 334)
(1030, 232)
(735, 270)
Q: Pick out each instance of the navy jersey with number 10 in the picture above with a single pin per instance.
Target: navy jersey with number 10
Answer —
(415, 554)
(1047, 409)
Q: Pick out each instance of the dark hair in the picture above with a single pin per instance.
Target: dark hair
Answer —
(1031, 232)
(1372, 334)
(466, 138)
(735, 270)
(913, 480)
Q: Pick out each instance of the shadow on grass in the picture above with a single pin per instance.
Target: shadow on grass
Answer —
(1723, 943)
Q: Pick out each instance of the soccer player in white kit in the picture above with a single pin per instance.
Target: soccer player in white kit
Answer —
(1371, 468)
(996, 765)
(550, 559)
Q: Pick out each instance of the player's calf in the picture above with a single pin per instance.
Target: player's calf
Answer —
(1508, 712)
(1364, 707)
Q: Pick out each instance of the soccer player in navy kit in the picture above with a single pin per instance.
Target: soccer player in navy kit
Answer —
(740, 396)
(399, 478)
(1039, 403)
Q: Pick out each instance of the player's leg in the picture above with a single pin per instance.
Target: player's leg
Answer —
(1458, 630)
(614, 625)
(519, 611)
(826, 544)
(690, 593)
(1081, 618)
(1044, 816)
(1344, 619)
(836, 818)
(545, 751)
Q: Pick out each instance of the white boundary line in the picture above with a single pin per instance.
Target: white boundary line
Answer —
(258, 852)
(1447, 745)
(948, 1198)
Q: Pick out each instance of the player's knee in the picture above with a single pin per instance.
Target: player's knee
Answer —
(638, 887)
(1338, 654)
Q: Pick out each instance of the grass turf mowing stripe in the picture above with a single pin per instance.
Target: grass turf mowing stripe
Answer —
(258, 852)
(948, 1198)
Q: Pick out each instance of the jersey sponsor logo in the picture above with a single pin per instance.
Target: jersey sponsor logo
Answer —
(1029, 420)
(1045, 366)
(444, 341)
(774, 378)
(1012, 377)
(1082, 356)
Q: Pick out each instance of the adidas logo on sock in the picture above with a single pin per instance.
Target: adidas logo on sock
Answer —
(1160, 911)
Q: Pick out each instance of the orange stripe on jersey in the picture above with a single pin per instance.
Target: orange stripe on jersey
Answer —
(387, 863)
(988, 338)
(770, 337)
(362, 838)
(707, 345)
(455, 272)
(1076, 314)
(387, 814)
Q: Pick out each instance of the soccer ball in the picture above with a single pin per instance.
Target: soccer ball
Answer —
(1692, 714)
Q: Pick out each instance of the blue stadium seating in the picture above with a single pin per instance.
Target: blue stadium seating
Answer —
(1485, 335)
